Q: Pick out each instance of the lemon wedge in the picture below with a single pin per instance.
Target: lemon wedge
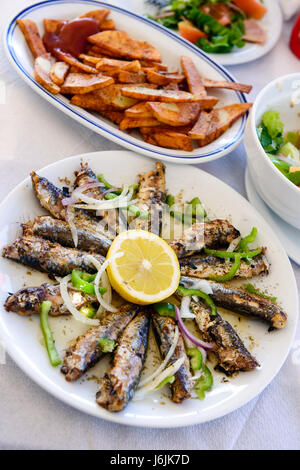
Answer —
(143, 269)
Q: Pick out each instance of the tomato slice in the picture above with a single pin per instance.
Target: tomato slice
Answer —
(252, 8)
(219, 11)
(189, 32)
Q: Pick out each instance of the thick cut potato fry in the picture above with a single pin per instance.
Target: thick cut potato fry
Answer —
(82, 83)
(114, 116)
(131, 77)
(103, 53)
(154, 65)
(111, 65)
(69, 59)
(165, 96)
(42, 69)
(32, 36)
(119, 42)
(210, 126)
(226, 85)
(174, 114)
(90, 60)
(51, 26)
(109, 99)
(58, 72)
(139, 110)
(163, 79)
(192, 76)
(98, 15)
(168, 139)
(131, 123)
(107, 25)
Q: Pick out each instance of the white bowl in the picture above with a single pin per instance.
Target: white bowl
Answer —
(282, 196)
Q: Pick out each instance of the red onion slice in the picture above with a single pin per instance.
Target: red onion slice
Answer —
(198, 342)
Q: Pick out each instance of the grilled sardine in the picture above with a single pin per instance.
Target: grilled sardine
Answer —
(119, 384)
(152, 196)
(27, 301)
(232, 355)
(240, 301)
(164, 328)
(86, 352)
(59, 231)
(49, 257)
(202, 267)
(215, 234)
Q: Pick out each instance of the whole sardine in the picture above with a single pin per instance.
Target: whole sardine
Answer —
(27, 301)
(232, 355)
(59, 231)
(240, 301)
(215, 234)
(164, 328)
(203, 267)
(49, 257)
(152, 196)
(86, 352)
(119, 384)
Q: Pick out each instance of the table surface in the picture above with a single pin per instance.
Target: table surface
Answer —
(34, 134)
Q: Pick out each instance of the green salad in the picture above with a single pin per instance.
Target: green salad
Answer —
(214, 26)
(282, 148)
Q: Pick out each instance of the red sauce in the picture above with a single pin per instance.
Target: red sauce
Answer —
(71, 36)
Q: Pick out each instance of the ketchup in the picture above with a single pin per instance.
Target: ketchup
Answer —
(71, 36)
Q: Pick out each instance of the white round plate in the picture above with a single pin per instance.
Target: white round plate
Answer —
(272, 23)
(287, 234)
(171, 47)
(22, 336)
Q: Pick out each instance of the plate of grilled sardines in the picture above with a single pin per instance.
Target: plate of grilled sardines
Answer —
(142, 293)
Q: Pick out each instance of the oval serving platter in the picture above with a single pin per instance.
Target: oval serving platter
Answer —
(171, 47)
(23, 339)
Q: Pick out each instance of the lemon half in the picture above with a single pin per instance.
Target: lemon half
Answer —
(147, 269)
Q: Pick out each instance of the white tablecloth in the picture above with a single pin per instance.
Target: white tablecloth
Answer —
(34, 134)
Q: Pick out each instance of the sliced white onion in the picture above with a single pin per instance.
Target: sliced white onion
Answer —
(165, 362)
(185, 308)
(169, 371)
(70, 306)
(234, 244)
(203, 285)
(101, 269)
(122, 200)
(289, 160)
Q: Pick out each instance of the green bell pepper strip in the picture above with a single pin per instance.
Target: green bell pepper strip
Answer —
(107, 185)
(132, 208)
(165, 309)
(231, 254)
(107, 345)
(83, 281)
(198, 210)
(196, 358)
(49, 341)
(198, 293)
(170, 200)
(167, 380)
(252, 290)
(249, 239)
(88, 311)
(234, 269)
(204, 384)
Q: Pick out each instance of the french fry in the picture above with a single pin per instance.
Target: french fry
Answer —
(210, 126)
(82, 83)
(131, 77)
(114, 116)
(107, 25)
(69, 59)
(98, 15)
(32, 36)
(165, 96)
(42, 69)
(226, 85)
(58, 72)
(108, 99)
(192, 76)
(131, 123)
(175, 114)
(120, 43)
(139, 110)
(100, 52)
(52, 26)
(154, 65)
(168, 139)
(163, 79)
(90, 60)
(111, 65)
